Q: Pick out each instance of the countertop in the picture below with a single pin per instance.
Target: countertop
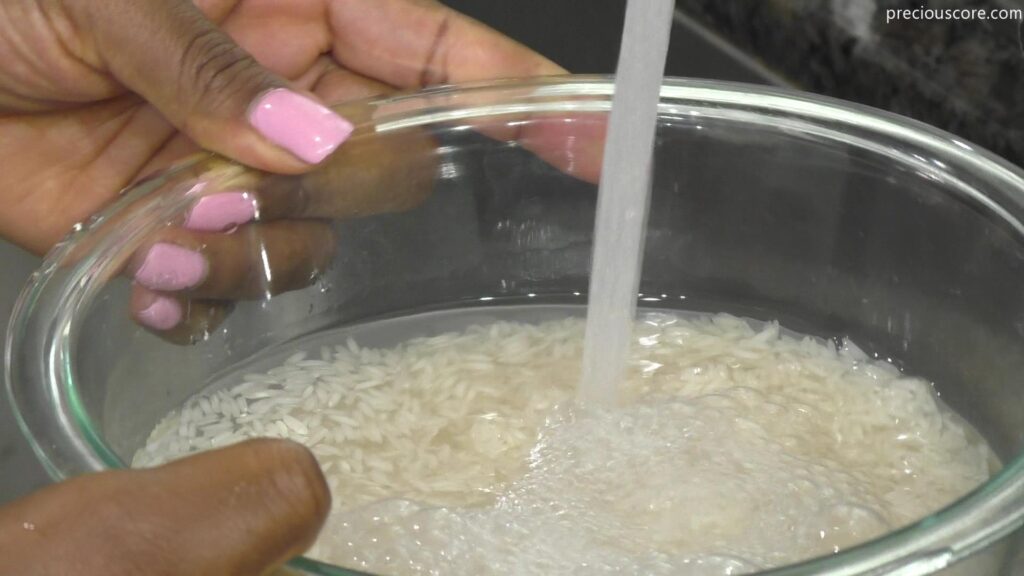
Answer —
(964, 76)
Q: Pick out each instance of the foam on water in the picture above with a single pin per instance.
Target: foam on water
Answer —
(636, 491)
(702, 486)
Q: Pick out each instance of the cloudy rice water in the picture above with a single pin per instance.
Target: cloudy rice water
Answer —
(737, 447)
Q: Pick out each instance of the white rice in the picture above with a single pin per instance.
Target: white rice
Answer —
(738, 448)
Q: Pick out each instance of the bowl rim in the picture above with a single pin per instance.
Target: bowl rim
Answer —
(974, 521)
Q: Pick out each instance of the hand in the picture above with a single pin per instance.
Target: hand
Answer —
(243, 510)
(95, 94)
(287, 248)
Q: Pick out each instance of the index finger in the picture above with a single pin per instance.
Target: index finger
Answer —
(375, 173)
(438, 45)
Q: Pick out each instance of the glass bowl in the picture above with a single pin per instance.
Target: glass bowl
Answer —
(836, 219)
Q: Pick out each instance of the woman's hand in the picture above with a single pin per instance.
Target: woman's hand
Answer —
(242, 511)
(95, 94)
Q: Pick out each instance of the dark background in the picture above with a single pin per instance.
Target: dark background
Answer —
(584, 37)
(966, 76)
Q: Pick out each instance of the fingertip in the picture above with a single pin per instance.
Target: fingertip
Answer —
(158, 312)
(289, 493)
(298, 478)
(242, 509)
(176, 320)
(169, 267)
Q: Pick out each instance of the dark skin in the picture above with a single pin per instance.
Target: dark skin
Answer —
(112, 90)
(242, 510)
(94, 95)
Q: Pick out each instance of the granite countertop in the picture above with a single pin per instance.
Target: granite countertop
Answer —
(965, 76)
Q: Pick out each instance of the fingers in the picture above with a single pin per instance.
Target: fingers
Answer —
(278, 238)
(239, 511)
(186, 280)
(376, 173)
(175, 318)
(264, 502)
(208, 86)
(324, 78)
(332, 83)
(436, 45)
(255, 261)
(442, 46)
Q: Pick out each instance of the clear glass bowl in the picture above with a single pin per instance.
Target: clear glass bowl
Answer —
(834, 218)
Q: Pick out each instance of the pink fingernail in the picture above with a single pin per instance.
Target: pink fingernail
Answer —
(162, 314)
(171, 267)
(298, 124)
(220, 212)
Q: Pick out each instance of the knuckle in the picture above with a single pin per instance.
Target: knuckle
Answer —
(215, 71)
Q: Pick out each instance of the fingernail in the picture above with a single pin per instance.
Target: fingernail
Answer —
(298, 124)
(220, 212)
(171, 267)
(162, 314)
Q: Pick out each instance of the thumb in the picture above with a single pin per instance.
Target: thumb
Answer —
(242, 511)
(169, 53)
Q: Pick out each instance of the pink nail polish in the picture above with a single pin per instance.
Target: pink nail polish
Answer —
(171, 267)
(162, 314)
(298, 124)
(220, 212)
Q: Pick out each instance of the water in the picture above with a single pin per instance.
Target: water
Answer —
(452, 443)
(623, 198)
